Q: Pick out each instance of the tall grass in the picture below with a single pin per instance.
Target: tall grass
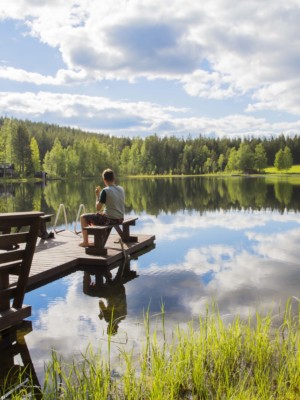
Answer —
(211, 359)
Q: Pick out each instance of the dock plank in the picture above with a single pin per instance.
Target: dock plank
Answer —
(62, 253)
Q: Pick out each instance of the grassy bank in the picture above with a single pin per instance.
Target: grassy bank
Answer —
(295, 169)
(210, 360)
(18, 180)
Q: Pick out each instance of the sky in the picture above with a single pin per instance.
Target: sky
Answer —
(133, 68)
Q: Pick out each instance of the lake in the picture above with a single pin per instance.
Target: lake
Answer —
(233, 241)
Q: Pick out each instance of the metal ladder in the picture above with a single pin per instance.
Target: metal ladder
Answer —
(81, 207)
(62, 209)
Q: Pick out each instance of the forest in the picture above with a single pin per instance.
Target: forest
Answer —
(64, 152)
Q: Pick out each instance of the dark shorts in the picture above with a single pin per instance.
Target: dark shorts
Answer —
(101, 219)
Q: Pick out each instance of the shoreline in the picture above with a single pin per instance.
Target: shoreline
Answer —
(164, 176)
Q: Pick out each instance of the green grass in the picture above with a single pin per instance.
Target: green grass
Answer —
(295, 169)
(243, 360)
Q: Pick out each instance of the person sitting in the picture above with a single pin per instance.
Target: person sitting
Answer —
(111, 199)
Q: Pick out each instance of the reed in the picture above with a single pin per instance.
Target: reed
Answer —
(210, 359)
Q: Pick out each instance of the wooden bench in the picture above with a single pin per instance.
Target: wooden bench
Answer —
(102, 232)
(43, 233)
(17, 245)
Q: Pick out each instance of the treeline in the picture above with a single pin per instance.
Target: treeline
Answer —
(68, 152)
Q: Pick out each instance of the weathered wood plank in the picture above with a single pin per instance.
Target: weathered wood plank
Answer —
(12, 268)
(5, 295)
(56, 256)
(12, 337)
(13, 316)
(26, 262)
(11, 256)
(13, 239)
(23, 216)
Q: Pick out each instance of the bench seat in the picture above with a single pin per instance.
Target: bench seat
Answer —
(102, 232)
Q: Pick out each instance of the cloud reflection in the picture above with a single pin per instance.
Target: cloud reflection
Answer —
(182, 225)
(259, 271)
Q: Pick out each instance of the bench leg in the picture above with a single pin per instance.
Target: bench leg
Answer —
(4, 283)
(43, 233)
(100, 239)
(125, 234)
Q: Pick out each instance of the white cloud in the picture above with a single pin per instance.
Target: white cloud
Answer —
(62, 77)
(122, 117)
(280, 96)
(211, 85)
(140, 115)
(129, 39)
(218, 50)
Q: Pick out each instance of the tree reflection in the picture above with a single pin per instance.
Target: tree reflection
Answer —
(283, 193)
(156, 195)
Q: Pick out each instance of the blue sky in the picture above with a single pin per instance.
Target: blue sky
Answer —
(139, 67)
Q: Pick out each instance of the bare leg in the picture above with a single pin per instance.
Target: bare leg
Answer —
(83, 223)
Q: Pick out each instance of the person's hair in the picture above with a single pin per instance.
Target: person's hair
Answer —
(108, 175)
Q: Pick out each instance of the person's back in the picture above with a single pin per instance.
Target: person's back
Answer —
(115, 202)
(112, 198)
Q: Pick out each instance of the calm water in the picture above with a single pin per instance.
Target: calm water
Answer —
(233, 240)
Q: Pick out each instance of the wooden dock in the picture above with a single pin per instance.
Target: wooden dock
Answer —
(54, 257)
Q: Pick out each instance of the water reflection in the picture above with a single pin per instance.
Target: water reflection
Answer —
(159, 195)
(112, 294)
(244, 261)
(234, 241)
(66, 318)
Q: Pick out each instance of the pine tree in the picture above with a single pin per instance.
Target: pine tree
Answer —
(279, 160)
(21, 152)
(232, 163)
(35, 155)
(260, 157)
(288, 158)
(245, 157)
